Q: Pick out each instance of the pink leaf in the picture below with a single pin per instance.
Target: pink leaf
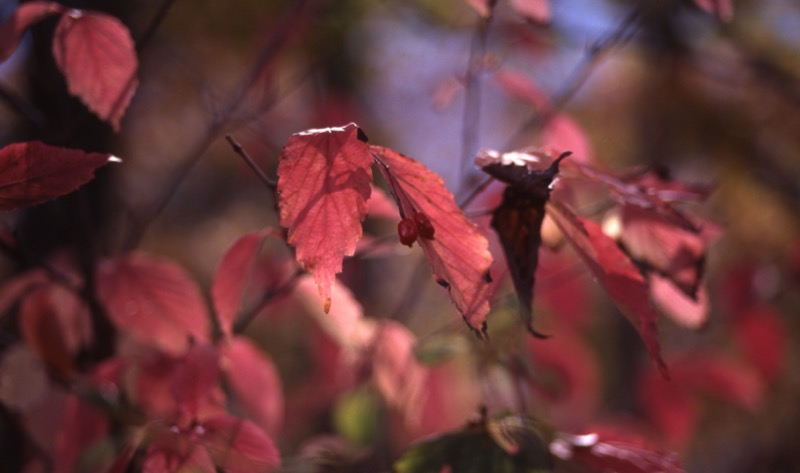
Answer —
(324, 183)
(82, 426)
(179, 455)
(763, 338)
(239, 446)
(398, 375)
(234, 278)
(458, 253)
(675, 304)
(155, 300)
(609, 454)
(33, 172)
(254, 382)
(194, 378)
(535, 10)
(96, 54)
(612, 268)
(26, 15)
(722, 9)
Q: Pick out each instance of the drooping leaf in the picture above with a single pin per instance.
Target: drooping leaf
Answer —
(254, 381)
(518, 219)
(235, 282)
(323, 185)
(96, 54)
(458, 254)
(33, 172)
(609, 454)
(153, 299)
(24, 16)
(239, 446)
(613, 269)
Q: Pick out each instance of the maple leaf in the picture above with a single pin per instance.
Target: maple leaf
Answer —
(458, 254)
(518, 219)
(33, 172)
(324, 180)
(96, 54)
(614, 270)
(155, 300)
(24, 16)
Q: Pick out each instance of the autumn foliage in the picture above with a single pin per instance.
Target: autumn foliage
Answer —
(378, 320)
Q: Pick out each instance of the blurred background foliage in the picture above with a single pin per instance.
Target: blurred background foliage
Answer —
(711, 100)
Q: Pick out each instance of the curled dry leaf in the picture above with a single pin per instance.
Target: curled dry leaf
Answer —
(459, 254)
(24, 16)
(96, 54)
(33, 172)
(154, 300)
(323, 186)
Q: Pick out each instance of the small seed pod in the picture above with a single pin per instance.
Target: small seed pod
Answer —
(407, 231)
(424, 226)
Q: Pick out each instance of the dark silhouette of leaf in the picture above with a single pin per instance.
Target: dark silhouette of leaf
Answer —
(33, 172)
(96, 54)
(14, 27)
(614, 270)
(323, 185)
(518, 219)
(154, 300)
(458, 253)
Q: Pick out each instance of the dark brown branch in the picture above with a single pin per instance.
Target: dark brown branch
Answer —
(238, 149)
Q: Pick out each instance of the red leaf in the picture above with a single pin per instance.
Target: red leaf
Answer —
(397, 374)
(612, 268)
(239, 446)
(324, 183)
(82, 426)
(722, 9)
(459, 254)
(155, 300)
(194, 377)
(254, 382)
(762, 337)
(535, 10)
(675, 304)
(33, 172)
(96, 54)
(167, 455)
(25, 15)
(233, 279)
(609, 454)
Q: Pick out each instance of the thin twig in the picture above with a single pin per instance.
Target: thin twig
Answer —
(623, 33)
(238, 149)
(285, 29)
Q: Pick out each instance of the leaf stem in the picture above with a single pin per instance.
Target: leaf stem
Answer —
(238, 149)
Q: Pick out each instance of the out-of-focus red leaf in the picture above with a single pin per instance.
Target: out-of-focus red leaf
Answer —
(675, 251)
(239, 446)
(483, 7)
(254, 382)
(55, 323)
(565, 290)
(396, 372)
(674, 406)
(535, 10)
(458, 253)
(96, 54)
(612, 268)
(566, 378)
(380, 205)
(178, 455)
(194, 377)
(14, 27)
(762, 337)
(562, 133)
(722, 9)
(323, 185)
(82, 426)
(520, 86)
(689, 312)
(153, 299)
(609, 454)
(33, 172)
(519, 217)
(233, 281)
